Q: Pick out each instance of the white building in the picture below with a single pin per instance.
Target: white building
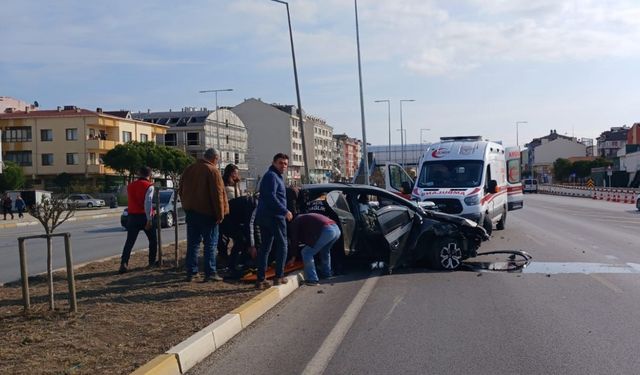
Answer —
(320, 135)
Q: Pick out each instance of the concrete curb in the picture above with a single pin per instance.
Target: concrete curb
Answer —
(203, 343)
(75, 218)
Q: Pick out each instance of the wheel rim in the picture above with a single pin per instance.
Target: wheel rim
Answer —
(169, 219)
(89, 205)
(450, 256)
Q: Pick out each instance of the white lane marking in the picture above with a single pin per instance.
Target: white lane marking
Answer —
(321, 359)
(612, 257)
(535, 240)
(606, 283)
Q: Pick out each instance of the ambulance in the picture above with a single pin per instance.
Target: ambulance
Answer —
(465, 176)
(515, 192)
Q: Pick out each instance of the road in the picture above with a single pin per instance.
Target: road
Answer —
(90, 240)
(574, 310)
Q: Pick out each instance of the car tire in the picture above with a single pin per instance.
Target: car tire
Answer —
(445, 254)
(89, 205)
(487, 224)
(503, 221)
(168, 220)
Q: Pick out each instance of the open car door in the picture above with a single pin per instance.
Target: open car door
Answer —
(395, 224)
(337, 202)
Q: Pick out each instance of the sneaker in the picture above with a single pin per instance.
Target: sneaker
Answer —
(280, 280)
(211, 278)
(311, 283)
(189, 278)
(123, 269)
(153, 265)
(263, 284)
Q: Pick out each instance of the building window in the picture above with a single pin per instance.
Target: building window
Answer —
(144, 138)
(170, 140)
(17, 134)
(236, 158)
(126, 136)
(73, 159)
(227, 139)
(47, 159)
(46, 135)
(22, 158)
(226, 123)
(193, 139)
(92, 158)
(72, 134)
(101, 158)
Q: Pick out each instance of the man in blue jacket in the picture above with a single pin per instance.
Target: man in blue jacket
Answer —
(270, 216)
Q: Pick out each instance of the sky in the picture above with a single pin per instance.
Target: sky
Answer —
(473, 67)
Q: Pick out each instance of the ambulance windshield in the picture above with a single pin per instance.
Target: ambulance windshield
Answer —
(451, 174)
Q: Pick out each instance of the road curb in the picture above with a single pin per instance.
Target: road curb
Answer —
(75, 218)
(203, 343)
(164, 364)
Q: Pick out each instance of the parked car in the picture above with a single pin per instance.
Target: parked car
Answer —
(376, 223)
(167, 211)
(84, 200)
(530, 185)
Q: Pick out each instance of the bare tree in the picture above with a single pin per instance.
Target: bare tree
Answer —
(51, 213)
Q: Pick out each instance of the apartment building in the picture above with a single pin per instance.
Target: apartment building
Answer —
(347, 155)
(611, 141)
(320, 135)
(541, 153)
(194, 130)
(68, 139)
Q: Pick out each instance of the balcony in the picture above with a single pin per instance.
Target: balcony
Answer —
(99, 169)
(99, 144)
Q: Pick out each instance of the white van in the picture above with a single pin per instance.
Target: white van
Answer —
(530, 185)
(465, 176)
(515, 194)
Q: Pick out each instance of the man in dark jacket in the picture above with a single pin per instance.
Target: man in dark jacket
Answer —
(270, 216)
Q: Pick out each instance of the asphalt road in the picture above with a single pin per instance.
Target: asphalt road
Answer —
(574, 310)
(90, 240)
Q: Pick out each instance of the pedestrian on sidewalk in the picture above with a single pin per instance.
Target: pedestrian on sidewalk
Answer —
(20, 206)
(231, 180)
(6, 206)
(318, 233)
(140, 217)
(205, 203)
(271, 216)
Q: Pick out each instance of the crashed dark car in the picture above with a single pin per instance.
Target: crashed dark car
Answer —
(380, 225)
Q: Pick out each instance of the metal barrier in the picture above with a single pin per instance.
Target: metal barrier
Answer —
(618, 195)
(73, 304)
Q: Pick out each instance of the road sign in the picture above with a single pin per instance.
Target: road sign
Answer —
(590, 183)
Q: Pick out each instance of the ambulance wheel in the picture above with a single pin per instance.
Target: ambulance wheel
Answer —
(503, 221)
(487, 225)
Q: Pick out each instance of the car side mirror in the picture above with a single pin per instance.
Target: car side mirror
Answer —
(406, 187)
(493, 187)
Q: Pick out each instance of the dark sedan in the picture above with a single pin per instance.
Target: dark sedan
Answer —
(379, 225)
(167, 210)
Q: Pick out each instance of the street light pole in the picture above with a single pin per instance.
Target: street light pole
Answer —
(517, 137)
(295, 76)
(364, 130)
(389, 119)
(216, 91)
(401, 127)
(423, 130)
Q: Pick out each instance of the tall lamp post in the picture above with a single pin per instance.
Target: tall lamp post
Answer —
(364, 129)
(216, 91)
(421, 131)
(517, 136)
(295, 76)
(401, 129)
(389, 119)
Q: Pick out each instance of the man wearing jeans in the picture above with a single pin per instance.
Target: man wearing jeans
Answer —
(270, 216)
(140, 217)
(205, 204)
(318, 233)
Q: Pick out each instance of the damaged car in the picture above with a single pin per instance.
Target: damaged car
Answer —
(378, 225)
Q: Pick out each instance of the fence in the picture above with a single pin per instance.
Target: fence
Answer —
(619, 195)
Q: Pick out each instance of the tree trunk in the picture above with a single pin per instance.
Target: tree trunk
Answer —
(50, 270)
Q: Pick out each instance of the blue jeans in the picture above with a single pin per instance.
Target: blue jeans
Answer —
(328, 236)
(272, 229)
(201, 228)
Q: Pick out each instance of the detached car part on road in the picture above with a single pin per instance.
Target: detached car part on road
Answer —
(378, 225)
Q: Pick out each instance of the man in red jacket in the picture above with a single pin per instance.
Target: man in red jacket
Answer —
(140, 217)
(318, 233)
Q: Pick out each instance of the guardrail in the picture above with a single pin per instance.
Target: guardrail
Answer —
(620, 195)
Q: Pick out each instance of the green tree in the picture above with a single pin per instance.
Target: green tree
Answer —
(125, 159)
(172, 162)
(561, 169)
(12, 177)
(63, 180)
(582, 168)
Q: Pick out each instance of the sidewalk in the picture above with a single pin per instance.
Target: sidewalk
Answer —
(81, 214)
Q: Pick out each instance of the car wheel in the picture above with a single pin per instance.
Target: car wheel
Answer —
(89, 205)
(446, 254)
(487, 225)
(168, 221)
(503, 221)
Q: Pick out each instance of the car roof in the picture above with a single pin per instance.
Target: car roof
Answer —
(356, 188)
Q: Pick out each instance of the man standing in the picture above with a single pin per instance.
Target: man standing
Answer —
(270, 216)
(20, 206)
(205, 203)
(140, 217)
(6, 206)
(318, 233)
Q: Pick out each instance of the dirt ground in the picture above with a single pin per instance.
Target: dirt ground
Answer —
(123, 321)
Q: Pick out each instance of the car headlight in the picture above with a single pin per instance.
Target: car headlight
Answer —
(472, 200)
